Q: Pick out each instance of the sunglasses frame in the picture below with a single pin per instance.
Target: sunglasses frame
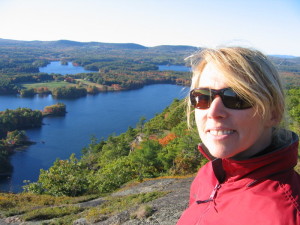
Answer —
(240, 103)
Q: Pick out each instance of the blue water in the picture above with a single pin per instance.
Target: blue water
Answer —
(57, 67)
(99, 115)
(174, 68)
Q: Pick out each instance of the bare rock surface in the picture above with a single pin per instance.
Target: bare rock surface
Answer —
(167, 209)
(164, 211)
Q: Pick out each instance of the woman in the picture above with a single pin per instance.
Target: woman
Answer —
(239, 104)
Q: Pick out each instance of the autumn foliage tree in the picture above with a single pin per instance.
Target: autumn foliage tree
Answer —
(58, 109)
(165, 140)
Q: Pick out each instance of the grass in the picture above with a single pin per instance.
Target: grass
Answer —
(118, 204)
(65, 220)
(55, 84)
(51, 212)
(50, 85)
(88, 83)
(15, 204)
(63, 210)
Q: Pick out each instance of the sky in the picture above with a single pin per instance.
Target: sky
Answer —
(271, 26)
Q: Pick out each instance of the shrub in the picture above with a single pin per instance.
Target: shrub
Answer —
(27, 92)
(113, 175)
(145, 159)
(65, 177)
(143, 211)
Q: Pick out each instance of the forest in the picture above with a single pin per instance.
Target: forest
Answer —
(19, 119)
(116, 67)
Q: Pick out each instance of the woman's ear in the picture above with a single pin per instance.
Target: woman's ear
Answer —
(272, 119)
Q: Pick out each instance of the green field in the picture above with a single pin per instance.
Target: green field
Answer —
(88, 83)
(50, 85)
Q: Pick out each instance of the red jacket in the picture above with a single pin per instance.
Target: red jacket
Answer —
(263, 190)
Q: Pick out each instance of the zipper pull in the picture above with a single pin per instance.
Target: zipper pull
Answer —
(214, 192)
(212, 195)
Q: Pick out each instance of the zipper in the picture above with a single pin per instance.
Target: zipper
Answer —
(212, 195)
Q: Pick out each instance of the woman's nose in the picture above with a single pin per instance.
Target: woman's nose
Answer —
(217, 109)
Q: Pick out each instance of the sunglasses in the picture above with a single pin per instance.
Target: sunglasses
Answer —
(201, 98)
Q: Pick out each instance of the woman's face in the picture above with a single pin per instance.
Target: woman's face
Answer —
(229, 132)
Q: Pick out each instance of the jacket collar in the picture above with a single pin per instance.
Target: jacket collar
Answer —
(282, 158)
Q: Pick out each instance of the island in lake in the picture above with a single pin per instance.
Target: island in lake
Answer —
(13, 124)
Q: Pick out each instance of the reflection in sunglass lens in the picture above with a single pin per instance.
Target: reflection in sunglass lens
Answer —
(230, 99)
(233, 101)
(201, 98)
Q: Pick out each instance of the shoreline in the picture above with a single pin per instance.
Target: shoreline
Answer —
(99, 92)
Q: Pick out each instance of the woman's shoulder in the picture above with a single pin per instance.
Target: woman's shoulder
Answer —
(280, 193)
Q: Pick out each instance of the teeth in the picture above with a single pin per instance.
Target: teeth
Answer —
(220, 132)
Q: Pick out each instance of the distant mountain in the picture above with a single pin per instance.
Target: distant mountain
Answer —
(118, 45)
(65, 43)
(68, 43)
(9, 42)
(175, 48)
(284, 56)
(110, 46)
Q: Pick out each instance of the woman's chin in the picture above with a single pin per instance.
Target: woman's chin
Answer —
(221, 153)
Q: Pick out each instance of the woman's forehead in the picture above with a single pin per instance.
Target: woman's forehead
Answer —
(212, 77)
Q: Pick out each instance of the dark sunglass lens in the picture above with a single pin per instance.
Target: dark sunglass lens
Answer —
(200, 98)
(229, 92)
(233, 101)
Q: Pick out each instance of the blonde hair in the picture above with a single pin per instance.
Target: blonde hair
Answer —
(249, 73)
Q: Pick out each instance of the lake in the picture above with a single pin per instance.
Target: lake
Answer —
(98, 115)
(57, 67)
(174, 68)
